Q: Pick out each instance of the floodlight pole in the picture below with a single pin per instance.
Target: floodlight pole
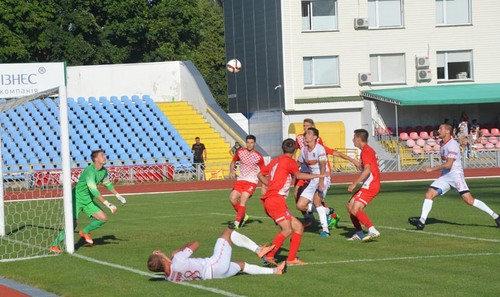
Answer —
(2, 206)
(66, 171)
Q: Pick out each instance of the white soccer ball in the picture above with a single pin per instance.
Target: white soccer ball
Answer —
(233, 66)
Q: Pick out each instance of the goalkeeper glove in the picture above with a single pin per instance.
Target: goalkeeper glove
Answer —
(121, 198)
(110, 206)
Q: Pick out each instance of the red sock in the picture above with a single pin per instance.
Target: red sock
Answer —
(236, 206)
(355, 222)
(278, 242)
(241, 213)
(294, 246)
(364, 219)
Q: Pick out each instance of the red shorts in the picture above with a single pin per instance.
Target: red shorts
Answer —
(365, 196)
(276, 208)
(300, 182)
(244, 186)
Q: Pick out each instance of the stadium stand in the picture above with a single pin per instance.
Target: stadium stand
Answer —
(131, 131)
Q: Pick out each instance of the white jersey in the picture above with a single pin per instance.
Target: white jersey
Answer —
(184, 268)
(451, 149)
(312, 159)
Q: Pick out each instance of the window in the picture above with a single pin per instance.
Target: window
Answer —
(453, 12)
(385, 13)
(319, 15)
(388, 69)
(456, 65)
(321, 71)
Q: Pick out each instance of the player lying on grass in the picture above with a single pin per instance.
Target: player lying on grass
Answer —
(83, 198)
(181, 267)
(452, 176)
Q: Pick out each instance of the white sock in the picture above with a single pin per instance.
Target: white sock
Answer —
(372, 230)
(482, 206)
(242, 241)
(426, 209)
(254, 269)
(310, 207)
(322, 217)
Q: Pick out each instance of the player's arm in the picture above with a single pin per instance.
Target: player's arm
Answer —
(322, 169)
(445, 165)
(193, 246)
(303, 175)
(364, 174)
(92, 186)
(346, 157)
(106, 182)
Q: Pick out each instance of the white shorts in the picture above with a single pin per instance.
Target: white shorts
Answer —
(312, 187)
(222, 267)
(445, 182)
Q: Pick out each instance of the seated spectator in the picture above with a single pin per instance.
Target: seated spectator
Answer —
(463, 129)
(473, 139)
(474, 125)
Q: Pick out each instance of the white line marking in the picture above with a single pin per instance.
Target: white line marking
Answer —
(143, 273)
(440, 234)
(405, 258)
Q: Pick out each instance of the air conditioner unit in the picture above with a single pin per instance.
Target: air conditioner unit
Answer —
(424, 75)
(462, 75)
(360, 23)
(422, 62)
(364, 78)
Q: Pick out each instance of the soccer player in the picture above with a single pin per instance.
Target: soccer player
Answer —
(313, 155)
(181, 267)
(83, 198)
(251, 161)
(452, 175)
(280, 172)
(370, 176)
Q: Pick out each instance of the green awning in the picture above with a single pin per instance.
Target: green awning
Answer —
(437, 95)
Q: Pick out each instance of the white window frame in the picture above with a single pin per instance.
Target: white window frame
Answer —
(446, 69)
(314, 83)
(378, 72)
(445, 14)
(376, 24)
(310, 16)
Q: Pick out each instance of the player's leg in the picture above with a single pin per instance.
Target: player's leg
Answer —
(357, 225)
(277, 209)
(76, 208)
(467, 197)
(98, 218)
(297, 230)
(438, 187)
(361, 200)
(322, 214)
(254, 269)
(243, 241)
(300, 185)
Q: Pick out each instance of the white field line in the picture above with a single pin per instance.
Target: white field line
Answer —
(440, 234)
(405, 258)
(143, 273)
(6, 238)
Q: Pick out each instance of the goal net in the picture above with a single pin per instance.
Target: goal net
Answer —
(32, 208)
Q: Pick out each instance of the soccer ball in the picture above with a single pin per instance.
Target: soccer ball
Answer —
(233, 66)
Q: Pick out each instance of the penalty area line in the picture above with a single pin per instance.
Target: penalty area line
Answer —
(405, 258)
(143, 273)
(440, 234)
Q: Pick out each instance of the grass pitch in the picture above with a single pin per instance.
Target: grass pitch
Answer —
(458, 253)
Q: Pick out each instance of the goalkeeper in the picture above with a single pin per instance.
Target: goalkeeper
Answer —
(83, 195)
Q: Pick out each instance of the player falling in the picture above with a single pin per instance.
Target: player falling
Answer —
(452, 175)
(251, 162)
(370, 176)
(83, 195)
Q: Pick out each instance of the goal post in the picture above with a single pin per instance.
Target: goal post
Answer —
(35, 196)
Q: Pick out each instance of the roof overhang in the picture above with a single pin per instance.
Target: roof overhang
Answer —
(437, 95)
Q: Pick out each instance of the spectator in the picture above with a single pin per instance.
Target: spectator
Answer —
(235, 147)
(199, 157)
(455, 127)
(474, 125)
(473, 139)
(464, 117)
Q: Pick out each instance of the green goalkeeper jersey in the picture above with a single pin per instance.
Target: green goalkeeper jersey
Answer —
(86, 188)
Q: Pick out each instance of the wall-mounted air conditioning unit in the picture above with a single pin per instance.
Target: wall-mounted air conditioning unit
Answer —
(424, 75)
(360, 23)
(422, 62)
(364, 78)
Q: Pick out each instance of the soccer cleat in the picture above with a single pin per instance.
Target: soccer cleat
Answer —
(87, 237)
(371, 236)
(55, 249)
(417, 223)
(295, 262)
(334, 222)
(281, 269)
(264, 250)
(245, 219)
(355, 237)
(269, 261)
(497, 220)
(324, 234)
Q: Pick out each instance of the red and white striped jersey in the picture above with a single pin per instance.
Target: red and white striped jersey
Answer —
(251, 162)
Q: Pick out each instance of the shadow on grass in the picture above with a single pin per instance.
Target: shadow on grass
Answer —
(431, 221)
(106, 239)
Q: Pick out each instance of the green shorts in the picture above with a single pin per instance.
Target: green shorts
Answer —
(84, 204)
